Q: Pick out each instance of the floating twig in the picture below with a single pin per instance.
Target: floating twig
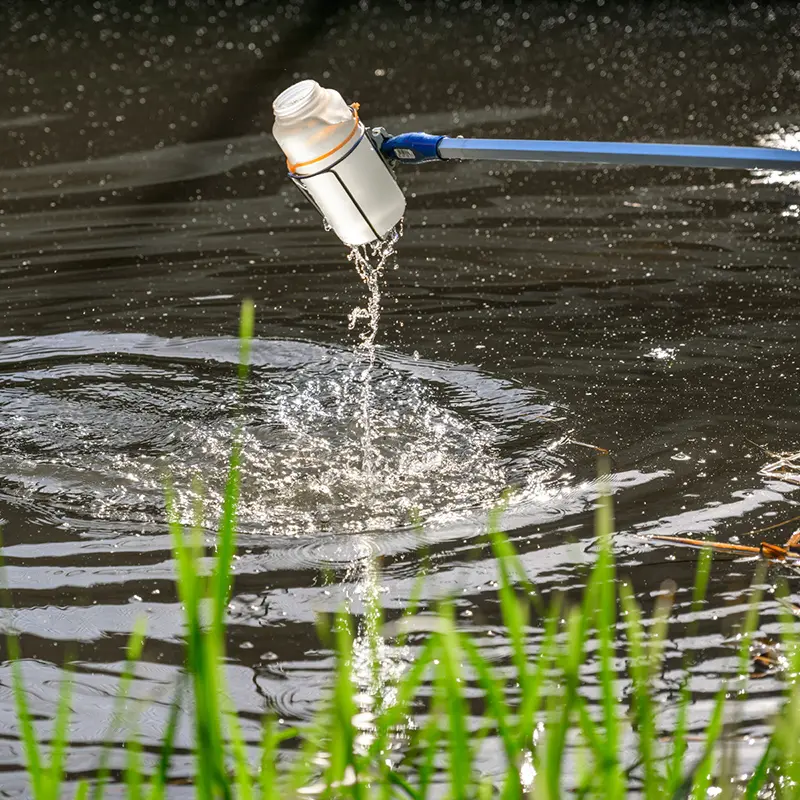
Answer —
(772, 552)
(775, 525)
(785, 468)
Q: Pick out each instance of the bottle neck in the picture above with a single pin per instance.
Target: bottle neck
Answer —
(299, 101)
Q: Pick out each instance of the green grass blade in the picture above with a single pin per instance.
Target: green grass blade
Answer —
(202, 660)
(206, 646)
(589, 762)
(159, 781)
(332, 731)
(606, 616)
(657, 639)
(675, 765)
(591, 731)
(82, 792)
(760, 775)
(268, 774)
(394, 779)
(33, 759)
(405, 692)
(209, 691)
(532, 701)
(702, 576)
(449, 685)
(702, 775)
(786, 736)
(344, 710)
(532, 694)
(313, 741)
(55, 773)
(246, 327)
(728, 761)
(221, 582)
(513, 612)
(414, 599)
(750, 621)
(561, 708)
(226, 541)
(431, 736)
(133, 767)
(243, 783)
(644, 719)
(133, 653)
(186, 577)
(680, 739)
(496, 704)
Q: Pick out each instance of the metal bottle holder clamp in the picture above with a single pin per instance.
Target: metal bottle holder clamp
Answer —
(376, 138)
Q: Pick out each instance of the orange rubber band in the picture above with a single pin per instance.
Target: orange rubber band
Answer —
(293, 167)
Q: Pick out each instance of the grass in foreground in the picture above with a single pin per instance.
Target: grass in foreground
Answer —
(551, 738)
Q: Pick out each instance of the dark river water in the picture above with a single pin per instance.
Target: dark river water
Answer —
(653, 312)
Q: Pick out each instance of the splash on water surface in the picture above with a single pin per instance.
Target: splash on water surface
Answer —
(90, 425)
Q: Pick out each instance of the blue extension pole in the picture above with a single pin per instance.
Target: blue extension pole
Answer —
(417, 148)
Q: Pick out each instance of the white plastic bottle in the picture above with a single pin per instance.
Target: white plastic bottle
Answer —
(335, 163)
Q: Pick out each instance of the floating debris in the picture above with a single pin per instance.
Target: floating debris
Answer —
(785, 468)
(766, 658)
(772, 552)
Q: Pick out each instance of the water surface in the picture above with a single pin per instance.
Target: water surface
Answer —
(653, 312)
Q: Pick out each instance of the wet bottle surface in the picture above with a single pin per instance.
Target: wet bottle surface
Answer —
(334, 162)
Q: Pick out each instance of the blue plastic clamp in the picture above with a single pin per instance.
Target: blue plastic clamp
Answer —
(412, 148)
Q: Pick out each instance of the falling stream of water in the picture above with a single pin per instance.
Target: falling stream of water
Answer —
(370, 261)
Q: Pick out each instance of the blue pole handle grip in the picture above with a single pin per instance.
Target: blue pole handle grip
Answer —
(412, 148)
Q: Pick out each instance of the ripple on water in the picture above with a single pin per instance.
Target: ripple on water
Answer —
(91, 425)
